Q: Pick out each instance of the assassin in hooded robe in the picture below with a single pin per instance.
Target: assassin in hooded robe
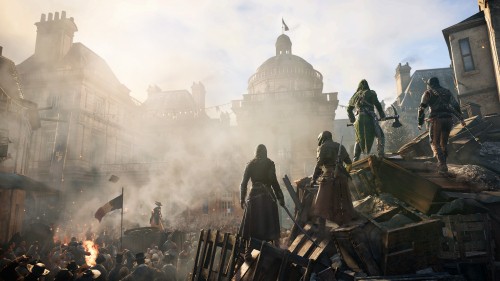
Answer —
(261, 220)
(366, 126)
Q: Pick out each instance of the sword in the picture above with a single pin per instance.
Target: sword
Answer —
(300, 228)
(271, 194)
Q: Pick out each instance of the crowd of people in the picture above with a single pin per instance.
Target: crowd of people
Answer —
(75, 261)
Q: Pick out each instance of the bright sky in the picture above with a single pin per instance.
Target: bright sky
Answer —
(222, 42)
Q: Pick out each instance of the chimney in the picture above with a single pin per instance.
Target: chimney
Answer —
(54, 37)
(198, 92)
(402, 78)
(1, 49)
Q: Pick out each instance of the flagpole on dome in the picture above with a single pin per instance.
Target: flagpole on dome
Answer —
(121, 226)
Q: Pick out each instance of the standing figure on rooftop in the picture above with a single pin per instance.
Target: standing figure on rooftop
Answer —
(366, 125)
(333, 200)
(261, 220)
(443, 106)
(156, 217)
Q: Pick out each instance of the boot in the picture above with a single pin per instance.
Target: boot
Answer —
(442, 167)
(381, 147)
(357, 152)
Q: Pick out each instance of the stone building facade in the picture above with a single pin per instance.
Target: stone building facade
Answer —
(285, 109)
(89, 118)
(199, 156)
(18, 120)
(473, 53)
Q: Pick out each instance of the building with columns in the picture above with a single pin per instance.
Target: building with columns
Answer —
(285, 109)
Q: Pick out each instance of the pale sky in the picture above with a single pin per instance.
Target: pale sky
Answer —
(222, 43)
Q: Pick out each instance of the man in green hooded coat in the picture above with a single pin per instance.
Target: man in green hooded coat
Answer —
(364, 102)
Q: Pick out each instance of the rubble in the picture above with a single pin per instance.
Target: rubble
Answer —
(413, 224)
(483, 178)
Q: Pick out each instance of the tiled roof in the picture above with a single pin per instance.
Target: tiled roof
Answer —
(413, 92)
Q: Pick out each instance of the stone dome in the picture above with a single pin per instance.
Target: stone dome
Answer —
(285, 72)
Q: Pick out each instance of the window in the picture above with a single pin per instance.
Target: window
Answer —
(4, 142)
(466, 54)
(48, 142)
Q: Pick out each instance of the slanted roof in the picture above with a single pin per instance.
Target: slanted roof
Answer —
(79, 57)
(470, 22)
(413, 92)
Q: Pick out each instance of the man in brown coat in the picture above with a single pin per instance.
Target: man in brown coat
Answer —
(333, 200)
(443, 107)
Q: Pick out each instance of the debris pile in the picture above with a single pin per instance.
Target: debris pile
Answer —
(477, 175)
(413, 223)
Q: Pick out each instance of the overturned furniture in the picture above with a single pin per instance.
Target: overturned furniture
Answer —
(396, 240)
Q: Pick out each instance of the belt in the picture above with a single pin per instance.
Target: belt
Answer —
(258, 186)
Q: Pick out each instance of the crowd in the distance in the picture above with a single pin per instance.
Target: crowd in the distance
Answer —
(69, 261)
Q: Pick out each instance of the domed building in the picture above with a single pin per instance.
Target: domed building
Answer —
(285, 109)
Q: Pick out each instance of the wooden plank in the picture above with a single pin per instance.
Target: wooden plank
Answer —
(246, 268)
(309, 247)
(297, 243)
(415, 166)
(405, 185)
(197, 258)
(292, 193)
(222, 261)
(213, 240)
(314, 256)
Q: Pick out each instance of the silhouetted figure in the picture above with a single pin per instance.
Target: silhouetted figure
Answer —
(261, 220)
(443, 107)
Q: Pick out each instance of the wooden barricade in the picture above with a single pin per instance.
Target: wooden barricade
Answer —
(468, 239)
(215, 257)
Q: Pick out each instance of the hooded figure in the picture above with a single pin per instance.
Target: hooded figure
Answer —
(364, 101)
(443, 107)
(261, 220)
(333, 200)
